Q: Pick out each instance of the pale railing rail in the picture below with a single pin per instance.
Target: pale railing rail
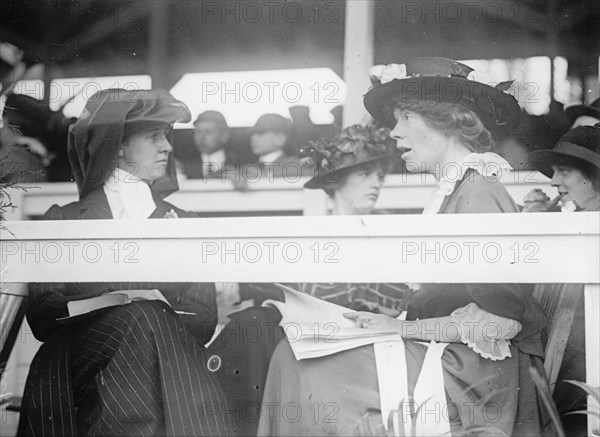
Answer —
(400, 192)
(518, 248)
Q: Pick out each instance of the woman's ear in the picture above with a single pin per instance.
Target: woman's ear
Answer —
(120, 151)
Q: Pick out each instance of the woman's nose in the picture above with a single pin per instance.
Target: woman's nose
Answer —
(375, 181)
(165, 146)
(556, 180)
(396, 132)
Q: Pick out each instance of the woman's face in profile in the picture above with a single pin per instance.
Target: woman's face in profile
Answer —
(421, 145)
(572, 185)
(146, 153)
(360, 187)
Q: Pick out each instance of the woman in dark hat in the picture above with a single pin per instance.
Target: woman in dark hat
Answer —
(137, 368)
(574, 168)
(351, 169)
(444, 123)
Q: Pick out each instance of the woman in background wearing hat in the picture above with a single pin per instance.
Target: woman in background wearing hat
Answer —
(351, 169)
(137, 368)
(574, 168)
(442, 122)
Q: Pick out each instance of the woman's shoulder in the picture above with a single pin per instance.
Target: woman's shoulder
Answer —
(477, 193)
(65, 212)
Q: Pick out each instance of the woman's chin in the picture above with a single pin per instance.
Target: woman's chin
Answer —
(366, 207)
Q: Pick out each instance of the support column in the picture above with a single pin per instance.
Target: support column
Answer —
(358, 57)
(158, 42)
(592, 349)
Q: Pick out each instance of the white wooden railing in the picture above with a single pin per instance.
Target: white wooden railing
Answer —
(406, 192)
(520, 248)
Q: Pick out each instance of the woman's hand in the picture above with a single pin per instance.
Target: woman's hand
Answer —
(366, 320)
(538, 201)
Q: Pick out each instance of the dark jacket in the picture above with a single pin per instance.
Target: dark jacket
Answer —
(49, 301)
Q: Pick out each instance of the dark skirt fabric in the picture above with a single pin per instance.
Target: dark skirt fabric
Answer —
(129, 370)
(334, 395)
(241, 356)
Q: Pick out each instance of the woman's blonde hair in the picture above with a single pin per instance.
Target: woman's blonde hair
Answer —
(454, 121)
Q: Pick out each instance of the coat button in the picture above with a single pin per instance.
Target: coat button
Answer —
(214, 363)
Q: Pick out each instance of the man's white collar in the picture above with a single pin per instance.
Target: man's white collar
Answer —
(270, 157)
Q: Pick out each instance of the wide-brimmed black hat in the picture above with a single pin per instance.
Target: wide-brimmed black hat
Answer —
(442, 80)
(356, 145)
(579, 148)
(272, 123)
(576, 111)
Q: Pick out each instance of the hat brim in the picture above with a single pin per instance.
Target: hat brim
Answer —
(329, 178)
(543, 160)
(499, 111)
(576, 111)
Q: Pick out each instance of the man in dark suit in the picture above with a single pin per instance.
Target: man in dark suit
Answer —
(138, 368)
(268, 139)
(211, 141)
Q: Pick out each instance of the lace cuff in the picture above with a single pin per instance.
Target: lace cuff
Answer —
(484, 332)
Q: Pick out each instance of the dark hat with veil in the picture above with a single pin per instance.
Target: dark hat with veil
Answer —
(441, 80)
(108, 118)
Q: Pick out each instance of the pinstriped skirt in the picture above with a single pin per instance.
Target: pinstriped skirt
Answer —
(129, 370)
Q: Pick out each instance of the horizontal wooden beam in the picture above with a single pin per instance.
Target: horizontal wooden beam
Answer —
(452, 248)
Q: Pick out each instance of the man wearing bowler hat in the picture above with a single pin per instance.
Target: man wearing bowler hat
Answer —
(584, 115)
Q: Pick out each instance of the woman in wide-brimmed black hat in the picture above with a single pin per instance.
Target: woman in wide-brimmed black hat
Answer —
(444, 123)
(137, 368)
(574, 168)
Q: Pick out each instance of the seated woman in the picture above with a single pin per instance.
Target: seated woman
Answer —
(574, 168)
(463, 380)
(351, 169)
(137, 368)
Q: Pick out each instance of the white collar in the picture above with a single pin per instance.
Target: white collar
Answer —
(270, 157)
(486, 164)
(218, 157)
(128, 196)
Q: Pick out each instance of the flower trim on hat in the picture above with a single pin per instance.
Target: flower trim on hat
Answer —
(382, 74)
(331, 153)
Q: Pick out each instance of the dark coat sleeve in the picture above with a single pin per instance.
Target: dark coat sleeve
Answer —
(48, 301)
